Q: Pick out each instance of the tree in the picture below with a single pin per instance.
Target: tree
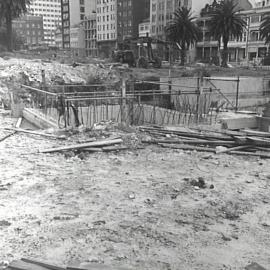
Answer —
(225, 23)
(265, 28)
(9, 10)
(18, 41)
(183, 31)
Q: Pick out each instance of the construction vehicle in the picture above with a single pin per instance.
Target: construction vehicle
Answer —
(145, 53)
(149, 58)
(125, 57)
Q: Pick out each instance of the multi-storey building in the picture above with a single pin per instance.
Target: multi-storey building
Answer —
(30, 28)
(144, 28)
(90, 28)
(249, 47)
(130, 13)
(73, 13)
(106, 26)
(50, 10)
(161, 13)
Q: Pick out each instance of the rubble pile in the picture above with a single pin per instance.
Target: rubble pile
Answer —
(29, 72)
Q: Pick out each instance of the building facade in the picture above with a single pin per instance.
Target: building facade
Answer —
(51, 13)
(144, 28)
(106, 26)
(247, 48)
(161, 13)
(77, 40)
(130, 13)
(90, 28)
(30, 29)
(73, 13)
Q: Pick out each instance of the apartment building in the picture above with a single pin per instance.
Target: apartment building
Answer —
(50, 10)
(30, 28)
(90, 28)
(130, 13)
(161, 13)
(106, 26)
(74, 12)
(249, 47)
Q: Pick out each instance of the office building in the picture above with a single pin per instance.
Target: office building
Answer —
(106, 26)
(90, 28)
(30, 29)
(130, 13)
(50, 10)
(74, 12)
(161, 13)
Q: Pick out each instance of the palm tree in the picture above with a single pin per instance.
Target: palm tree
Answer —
(183, 31)
(265, 28)
(9, 10)
(225, 23)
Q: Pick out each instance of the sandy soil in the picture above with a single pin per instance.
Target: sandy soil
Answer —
(136, 208)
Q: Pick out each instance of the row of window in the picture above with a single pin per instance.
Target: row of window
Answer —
(99, 2)
(106, 18)
(106, 36)
(106, 27)
(105, 9)
(161, 17)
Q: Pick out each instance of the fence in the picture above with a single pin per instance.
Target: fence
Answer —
(131, 102)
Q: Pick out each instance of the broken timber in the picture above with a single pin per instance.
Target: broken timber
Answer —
(19, 122)
(211, 150)
(36, 133)
(83, 145)
(42, 264)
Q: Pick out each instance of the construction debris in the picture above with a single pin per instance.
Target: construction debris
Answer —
(84, 145)
(36, 133)
(28, 264)
(210, 141)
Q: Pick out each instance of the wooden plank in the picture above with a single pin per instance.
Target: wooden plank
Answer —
(190, 134)
(218, 142)
(259, 141)
(94, 266)
(83, 145)
(114, 148)
(42, 264)
(36, 133)
(19, 122)
(241, 147)
(92, 149)
(21, 265)
(7, 136)
(257, 133)
(240, 123)
(211, 150)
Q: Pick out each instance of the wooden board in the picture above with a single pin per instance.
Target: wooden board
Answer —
(94, 266)
(21, 265)
(83, 145)
(43, 264)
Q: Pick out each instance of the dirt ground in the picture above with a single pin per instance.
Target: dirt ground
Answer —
(136, 209)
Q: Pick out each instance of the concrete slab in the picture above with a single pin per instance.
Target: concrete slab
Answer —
(38, 119)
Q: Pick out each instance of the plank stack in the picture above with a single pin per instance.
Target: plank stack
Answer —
(245, 142)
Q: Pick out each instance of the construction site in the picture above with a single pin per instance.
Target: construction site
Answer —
(109, 166)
